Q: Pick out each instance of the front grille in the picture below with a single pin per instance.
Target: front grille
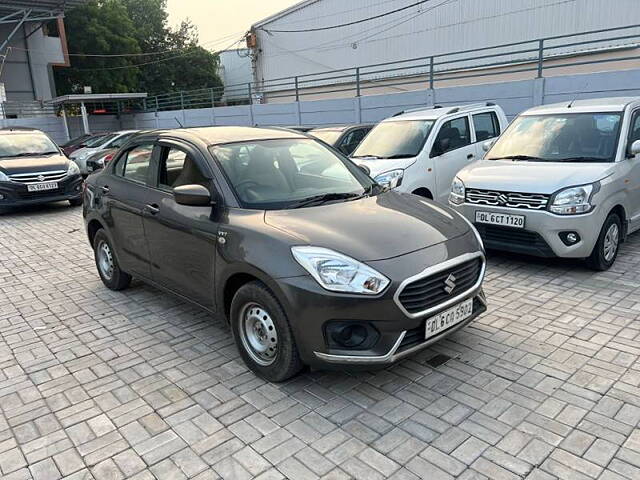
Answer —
(38, 177)
(514, 239)
(428, 292)
(530, 201)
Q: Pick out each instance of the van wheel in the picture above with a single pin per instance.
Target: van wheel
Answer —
(75, 202)
(606, 250)
(107, 264)
(262, 333)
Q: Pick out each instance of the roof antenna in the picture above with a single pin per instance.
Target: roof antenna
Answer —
(576, 97)
(179, 123)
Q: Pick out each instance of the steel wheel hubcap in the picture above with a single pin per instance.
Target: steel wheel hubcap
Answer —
(611, 240)
(105, 260)
(258, 334)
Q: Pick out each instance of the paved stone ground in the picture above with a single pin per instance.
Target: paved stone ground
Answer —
(104, 385)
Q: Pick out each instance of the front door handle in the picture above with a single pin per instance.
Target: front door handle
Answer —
(152, 208)
(470, 156)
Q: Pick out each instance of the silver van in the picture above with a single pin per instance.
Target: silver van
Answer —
(563, 180)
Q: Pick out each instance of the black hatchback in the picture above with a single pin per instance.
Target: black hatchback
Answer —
(309, 259)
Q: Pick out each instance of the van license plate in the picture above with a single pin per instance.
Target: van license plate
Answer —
(515, 221)
(39, 187)
(448, 318)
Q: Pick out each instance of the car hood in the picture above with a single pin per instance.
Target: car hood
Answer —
(531, 177)
(48, 163)
(381, 165)
(373, 228)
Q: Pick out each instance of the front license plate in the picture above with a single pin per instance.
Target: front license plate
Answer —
(516, 221)
(39, 187)
(448, 318)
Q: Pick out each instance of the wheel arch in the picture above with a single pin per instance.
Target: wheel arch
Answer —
(622, 214)
(423, 192)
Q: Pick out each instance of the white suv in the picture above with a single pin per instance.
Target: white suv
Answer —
(563, 180)
(421, 150)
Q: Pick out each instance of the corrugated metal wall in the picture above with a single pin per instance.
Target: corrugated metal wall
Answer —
(438, 26)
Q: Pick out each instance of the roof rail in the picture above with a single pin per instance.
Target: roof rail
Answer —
(417, 109)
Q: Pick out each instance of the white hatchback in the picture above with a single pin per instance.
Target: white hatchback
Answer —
(421, 150)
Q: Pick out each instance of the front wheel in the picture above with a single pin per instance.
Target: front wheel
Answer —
(606, 250)
(262, 333)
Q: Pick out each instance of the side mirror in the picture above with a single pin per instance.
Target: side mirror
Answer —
(192, 195)
(634, 149)
(365, 169)
(486, 146)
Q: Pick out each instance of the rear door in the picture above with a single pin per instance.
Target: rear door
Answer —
(123, 193)
(452, 150)
(182, 239)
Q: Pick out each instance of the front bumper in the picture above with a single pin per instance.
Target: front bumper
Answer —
(310, 309)
(16, 194)
(541, 233)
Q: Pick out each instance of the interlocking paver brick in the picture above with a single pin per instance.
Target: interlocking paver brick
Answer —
(139, 385)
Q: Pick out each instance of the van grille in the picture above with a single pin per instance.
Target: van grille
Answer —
(428, 292)
(38, 177)
(531, 201)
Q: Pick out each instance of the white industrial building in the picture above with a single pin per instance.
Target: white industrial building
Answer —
(235, 72)
(296, 42)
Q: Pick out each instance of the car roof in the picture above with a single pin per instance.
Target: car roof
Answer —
(229, 134)
(10, 130)
(339, 128)
(612, 104)
(437, 111)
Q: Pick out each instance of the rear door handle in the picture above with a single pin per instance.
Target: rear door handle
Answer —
(470, 156)
(152, 208)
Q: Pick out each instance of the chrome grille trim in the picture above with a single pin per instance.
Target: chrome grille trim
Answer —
(530, 201)
(38, 177)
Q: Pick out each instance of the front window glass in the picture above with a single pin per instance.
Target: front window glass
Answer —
(395, 139)
(177, 168)
(453, 134)
(134, 165)
(289, 173)
(26, 145)
(574, 137)
(327, 136)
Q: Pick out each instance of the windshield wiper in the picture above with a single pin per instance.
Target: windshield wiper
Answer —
(583, 159)
(518, 157)
(326, 197)
(366, 156)
(400, 155)
(28, 154)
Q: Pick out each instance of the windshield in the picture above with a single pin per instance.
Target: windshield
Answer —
(27, 144)
(327, 136)
(100, 141)
(397, 139)
(574, 137)
(289, 173)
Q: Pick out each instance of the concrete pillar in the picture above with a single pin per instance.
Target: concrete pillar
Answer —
(538, 91)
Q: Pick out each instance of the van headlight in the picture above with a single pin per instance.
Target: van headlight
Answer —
(458, 192)
(574, 200)
(339, 273)
(73, 169)
(391, 179)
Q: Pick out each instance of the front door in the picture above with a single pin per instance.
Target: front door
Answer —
(634, 174)
(451, 152)
(182, 239)
(123, 195)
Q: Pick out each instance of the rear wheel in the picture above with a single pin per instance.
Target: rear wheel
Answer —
(107, 264)
(606, 250)
(262, 333)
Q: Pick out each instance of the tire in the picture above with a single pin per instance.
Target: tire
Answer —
(255, 314)
(113, 278)
(602, 257)
(75, 202)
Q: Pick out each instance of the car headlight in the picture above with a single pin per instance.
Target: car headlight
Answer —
(573, 201)
(391, 179)
(73, 169)
(3, 177)
(458, 192)
(339, 273)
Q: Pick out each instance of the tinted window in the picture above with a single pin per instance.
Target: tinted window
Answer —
(117, 143)
(560, 137)
(352, 139)
(273, 174)
(395, 139)
(453, 134)
(134, 164)
(178, 168)
(635, 128)
(486, 125)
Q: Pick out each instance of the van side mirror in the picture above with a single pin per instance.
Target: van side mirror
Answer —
(486, 146)
(634, 149)
(192, 195)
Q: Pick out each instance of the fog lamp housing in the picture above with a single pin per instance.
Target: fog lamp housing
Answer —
(570, 238)
(344, 335)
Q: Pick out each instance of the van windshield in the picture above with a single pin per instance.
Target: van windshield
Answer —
(574, 137)
(396, 139)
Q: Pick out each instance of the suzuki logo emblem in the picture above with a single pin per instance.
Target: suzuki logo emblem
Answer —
(41, 178)
(503, 199)
(450, 283)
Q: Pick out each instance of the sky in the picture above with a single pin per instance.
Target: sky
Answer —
(221, 22)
